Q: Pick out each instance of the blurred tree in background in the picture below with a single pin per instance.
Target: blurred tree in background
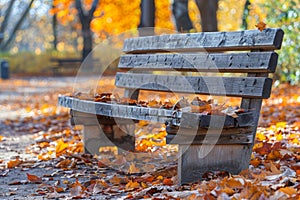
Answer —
(63, 29)
(286, 16)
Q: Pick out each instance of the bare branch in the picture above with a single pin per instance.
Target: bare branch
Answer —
(6, 16)
(17, 26)
(93, 8)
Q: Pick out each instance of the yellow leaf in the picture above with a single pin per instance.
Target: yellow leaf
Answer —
(228, 191)
(60, 147)
(279, 137)
(280, 125)
(144, 185)
(260, 137)
(288, 190)
(132, 185)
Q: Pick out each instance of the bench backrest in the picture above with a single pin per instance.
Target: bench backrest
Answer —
(250, 52)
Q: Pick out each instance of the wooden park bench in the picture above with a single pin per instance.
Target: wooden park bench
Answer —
(61, 65)
(206, 142)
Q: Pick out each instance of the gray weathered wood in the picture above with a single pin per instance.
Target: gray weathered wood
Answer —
(252, 87)
(243, 138)
(86, 112)
(202, 62)
(195, 160)
(268, 39)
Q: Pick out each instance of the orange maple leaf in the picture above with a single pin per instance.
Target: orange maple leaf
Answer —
(261, 26)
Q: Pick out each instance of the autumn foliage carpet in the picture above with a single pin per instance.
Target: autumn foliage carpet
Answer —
(53, 146)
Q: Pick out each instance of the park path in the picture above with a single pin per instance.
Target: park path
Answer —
(15, 95)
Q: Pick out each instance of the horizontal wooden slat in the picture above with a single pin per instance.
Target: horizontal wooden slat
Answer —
(202, 62)
(252, 87)
(244, 138)
(268, 39)
(188, 120)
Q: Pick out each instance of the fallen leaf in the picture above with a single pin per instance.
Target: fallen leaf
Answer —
(77, 189)
(33, 178)
(132, 185)
(133, 169)
(167, 181)
(64, 163)
(288, 190)
(261, 26)
(115, 180)
(61, 147)
(13, 163)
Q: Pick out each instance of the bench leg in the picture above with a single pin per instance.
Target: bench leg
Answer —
(124, 137)
(192, 165)
(94, 138)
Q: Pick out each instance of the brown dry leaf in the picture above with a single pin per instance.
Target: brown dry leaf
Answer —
(13, 163)
(103, 162)
(64, 163)
(120, 160)
(272, 168)
(228, 191)
(33, 178)
(234, 183)
(168, 181)
(77, 189)
(133, 169)
(261, 26)
(274, 155)
(265, 149)
(59, 189)
(115, 180)
(255, 162)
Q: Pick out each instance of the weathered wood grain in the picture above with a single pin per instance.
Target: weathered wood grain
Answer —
(252, 87)
(195, 160)
(88, 112)
(268, 39)
(202, 62)
(243, 138)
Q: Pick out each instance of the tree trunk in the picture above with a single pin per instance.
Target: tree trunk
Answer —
(147, 19)
(87, 39)
(208, 13)
(54, 29)
(181, 15)
(5, 20)
(245, 14)
(85, 20)
(5, 45)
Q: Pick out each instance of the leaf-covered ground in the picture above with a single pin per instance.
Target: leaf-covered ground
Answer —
(41, 153)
